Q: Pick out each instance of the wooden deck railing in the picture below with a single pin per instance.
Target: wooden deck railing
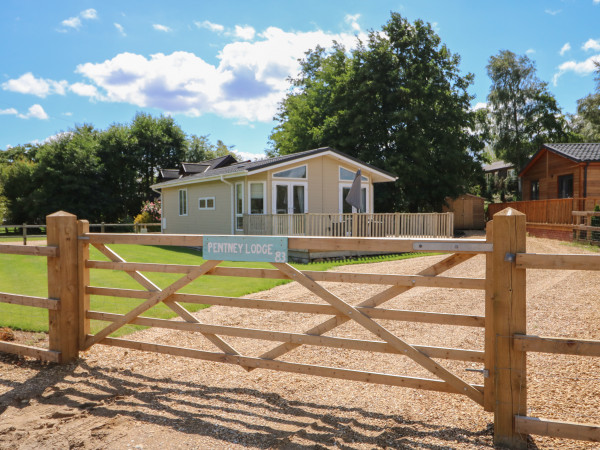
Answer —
(355, 225)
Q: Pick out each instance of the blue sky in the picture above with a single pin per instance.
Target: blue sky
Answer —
(220, 67)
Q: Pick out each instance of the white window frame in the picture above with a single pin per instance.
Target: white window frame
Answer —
(290, 178)
(364, 179)
(235, 205)
(264, 190)
(341, 197)
(290, 185)
(180, 204)
(206, 199)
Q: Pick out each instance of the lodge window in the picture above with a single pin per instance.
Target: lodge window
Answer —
(534, 192)
(296, 172)
(565, 186)
(206, 203)
(345, 207)
(183, 202)
(257, 198)
(239, 206)
(348, 175)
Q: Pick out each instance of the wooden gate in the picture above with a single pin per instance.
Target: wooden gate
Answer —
(504, 388)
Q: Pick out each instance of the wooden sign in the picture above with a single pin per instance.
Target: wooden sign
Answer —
(245, 248)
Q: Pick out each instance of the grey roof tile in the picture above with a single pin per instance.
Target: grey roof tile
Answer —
(581, 152)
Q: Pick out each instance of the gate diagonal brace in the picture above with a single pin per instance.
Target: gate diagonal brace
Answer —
(344, 308)
(378, 299)
(174, 306)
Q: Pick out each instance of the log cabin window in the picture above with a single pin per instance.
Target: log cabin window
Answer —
(296, 172)
(565, 186)
(535, 190)
(183, 202)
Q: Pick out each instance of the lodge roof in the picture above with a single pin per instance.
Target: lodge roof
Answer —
(497, 165)
(580, 152)
(229, 168)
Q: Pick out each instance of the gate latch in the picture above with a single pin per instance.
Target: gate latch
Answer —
(510, 257)
(485, 372)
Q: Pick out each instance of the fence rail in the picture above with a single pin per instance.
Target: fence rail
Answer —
(136, 227)
(357, 224)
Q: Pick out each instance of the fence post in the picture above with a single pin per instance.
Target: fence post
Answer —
(102, 229)
(83, 254)
(489, 356)
(24, 234)
(63, 285)
(509, 318)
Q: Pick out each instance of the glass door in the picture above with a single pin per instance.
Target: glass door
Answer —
(289, 198)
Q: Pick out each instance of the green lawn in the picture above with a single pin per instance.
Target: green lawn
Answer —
(26, 275)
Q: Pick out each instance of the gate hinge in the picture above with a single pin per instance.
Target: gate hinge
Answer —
(510, 257)
(485, 372)
(83, 238)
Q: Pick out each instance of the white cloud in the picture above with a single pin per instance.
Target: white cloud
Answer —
(75, 22)
(597, 2)
(36, 112)
(480, 105)
(215, 27)
(591, 44)
(247, 84)
(246, 32)
(160, 27)
(582, 68)
(530, 51)
(29, 84)
(72, 22)
(553, 12)
(85, 90)
(89, 14)
(352, 19)
(9, 111)
(564, 49)
(244, 156)
(120, 29)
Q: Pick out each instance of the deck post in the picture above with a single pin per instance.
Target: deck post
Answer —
(509, 318)
(63, 285)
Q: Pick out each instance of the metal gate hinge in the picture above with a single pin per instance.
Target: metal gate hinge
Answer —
(510, 257)
(485, 372)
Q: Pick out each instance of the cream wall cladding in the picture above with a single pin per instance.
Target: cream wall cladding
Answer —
(323, 183)
(199, 221)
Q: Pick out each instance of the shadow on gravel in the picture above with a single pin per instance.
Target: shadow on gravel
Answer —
(233, 416)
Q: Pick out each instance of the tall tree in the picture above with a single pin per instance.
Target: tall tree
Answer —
(120, 174)
(199, 148)
(523, 113)
(587, 120)
(68, 176)
(397, 101)
(157, 142)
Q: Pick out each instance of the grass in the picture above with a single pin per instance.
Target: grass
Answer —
(26, 275)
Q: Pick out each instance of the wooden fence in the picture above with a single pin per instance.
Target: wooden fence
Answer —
(506, 342)
(136, 227)
(432, 225)
(553, 211)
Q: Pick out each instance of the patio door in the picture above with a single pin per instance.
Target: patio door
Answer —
(290, 199)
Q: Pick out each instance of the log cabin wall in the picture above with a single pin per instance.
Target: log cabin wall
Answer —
(548, 167)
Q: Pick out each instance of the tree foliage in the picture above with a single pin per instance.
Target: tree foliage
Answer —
(397, 101)
(587, 120)
(97, 175)
(523, 112)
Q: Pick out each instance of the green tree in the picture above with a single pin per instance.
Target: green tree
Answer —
(68, 176)
(119, 173)
(587, 120)
(199, 148)
(398, 102)
(16, 180)
(523, 113)
(156, 142)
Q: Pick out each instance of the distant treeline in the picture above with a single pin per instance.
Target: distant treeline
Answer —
(99, 175)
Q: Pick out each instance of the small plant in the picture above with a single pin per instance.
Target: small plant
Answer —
(151, 213)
